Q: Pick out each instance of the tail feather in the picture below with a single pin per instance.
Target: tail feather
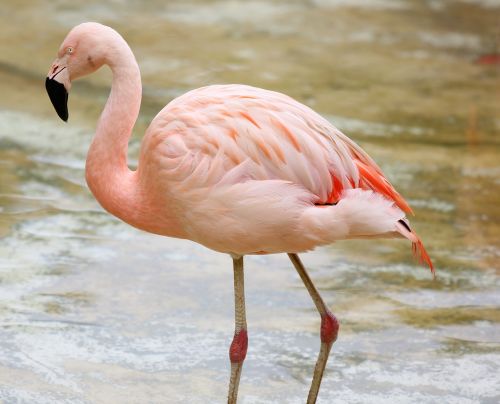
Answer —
(372, 178)
(360, 213)
(417, 247)
(420, 253)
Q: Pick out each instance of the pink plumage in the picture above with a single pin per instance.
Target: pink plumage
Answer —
(239, 169)
(244, 161)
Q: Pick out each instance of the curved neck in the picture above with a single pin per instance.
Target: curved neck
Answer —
(113, 184)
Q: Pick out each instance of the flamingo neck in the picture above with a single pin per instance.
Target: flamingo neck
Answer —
(113, 184)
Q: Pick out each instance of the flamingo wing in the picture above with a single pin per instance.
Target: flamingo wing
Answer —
(236, 132)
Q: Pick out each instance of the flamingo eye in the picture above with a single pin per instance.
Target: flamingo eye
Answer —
(69, 50)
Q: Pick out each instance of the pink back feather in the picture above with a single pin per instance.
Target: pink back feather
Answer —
(223, 126)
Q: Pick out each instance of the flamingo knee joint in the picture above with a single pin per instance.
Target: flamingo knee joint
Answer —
(329, 328)
(238, 349)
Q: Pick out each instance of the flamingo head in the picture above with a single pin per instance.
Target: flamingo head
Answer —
(82, 52)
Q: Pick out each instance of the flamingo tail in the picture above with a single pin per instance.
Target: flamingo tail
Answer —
(361, 213)
(417, 247)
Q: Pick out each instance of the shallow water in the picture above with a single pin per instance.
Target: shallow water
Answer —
(92, 310)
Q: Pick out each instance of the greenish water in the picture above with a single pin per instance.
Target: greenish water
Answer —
(92, 310)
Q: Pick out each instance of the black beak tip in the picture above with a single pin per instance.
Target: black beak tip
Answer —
(58, 96)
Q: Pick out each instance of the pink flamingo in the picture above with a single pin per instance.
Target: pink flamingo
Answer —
(238, 169)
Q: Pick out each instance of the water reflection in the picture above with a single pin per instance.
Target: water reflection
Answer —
(94, 311)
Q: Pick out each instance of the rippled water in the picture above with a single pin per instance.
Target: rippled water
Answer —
(92, 310)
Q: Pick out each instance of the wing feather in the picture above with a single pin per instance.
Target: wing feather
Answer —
(239, 132)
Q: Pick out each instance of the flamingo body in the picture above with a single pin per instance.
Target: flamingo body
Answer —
(249, 170)
(234, 161)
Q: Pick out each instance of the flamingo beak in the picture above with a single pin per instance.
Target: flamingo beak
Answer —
(57, 84)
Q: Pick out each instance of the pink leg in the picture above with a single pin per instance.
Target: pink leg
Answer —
(238, 349)
(329, 328)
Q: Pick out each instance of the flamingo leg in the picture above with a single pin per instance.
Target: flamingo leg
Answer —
(329, 328)
(238, 349)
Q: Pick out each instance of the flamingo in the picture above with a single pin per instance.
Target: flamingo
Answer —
(238, 169)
